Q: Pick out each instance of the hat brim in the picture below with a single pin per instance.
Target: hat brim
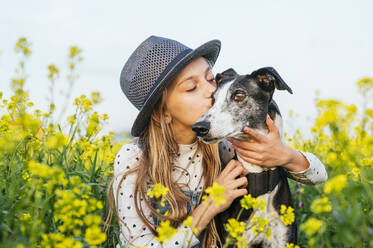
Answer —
(210, 50)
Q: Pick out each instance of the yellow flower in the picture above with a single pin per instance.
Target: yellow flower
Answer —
(321, 205)
(99, 205)
(235, 228)
(260, 224)
(157, 191)
(93, 124)
(96, 97)
(26, 217)
(365, 84)
(94, 236)
(25, 176)
(22, 45)
(165, 232)
(90, 220)
(287, 215)
(367, 161)
(311, 226)
(57, 140)
(83, 103)
(248, 202)
(216, 192)
(71, 119)
(188, 221)
(336, 184)
(77, 232)
(74, 50)
(241, 242)
(53, 71)
(291, 245)
(355, 172)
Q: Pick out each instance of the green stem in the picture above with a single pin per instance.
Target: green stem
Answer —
(239, 214)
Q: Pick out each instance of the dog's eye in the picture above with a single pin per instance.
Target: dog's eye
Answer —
(239, 96)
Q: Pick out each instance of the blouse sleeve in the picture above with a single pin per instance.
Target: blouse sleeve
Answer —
(314, 174)
(133, 228)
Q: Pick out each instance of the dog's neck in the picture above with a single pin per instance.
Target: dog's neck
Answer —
(252, 168)
(256, 168)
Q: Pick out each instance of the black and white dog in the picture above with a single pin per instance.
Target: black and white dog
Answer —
(245, 100)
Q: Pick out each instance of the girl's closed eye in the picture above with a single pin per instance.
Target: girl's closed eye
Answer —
(211, 79)
(192, 87)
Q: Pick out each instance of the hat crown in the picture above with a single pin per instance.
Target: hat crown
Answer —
(145, 65)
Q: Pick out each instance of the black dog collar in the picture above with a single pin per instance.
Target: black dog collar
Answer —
(263, 182)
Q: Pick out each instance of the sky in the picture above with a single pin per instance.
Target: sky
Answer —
(314, 45)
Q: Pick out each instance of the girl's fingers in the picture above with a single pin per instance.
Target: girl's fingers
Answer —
(250, 160)
(230, 166)
(235, 172)
(240, 192)
(242, 181)
(248, 153)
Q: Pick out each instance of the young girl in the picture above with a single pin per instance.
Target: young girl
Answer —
(172, 85)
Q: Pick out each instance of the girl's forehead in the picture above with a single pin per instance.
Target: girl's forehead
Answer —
(197, 67)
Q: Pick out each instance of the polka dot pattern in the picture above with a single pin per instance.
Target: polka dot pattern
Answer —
(187, 170)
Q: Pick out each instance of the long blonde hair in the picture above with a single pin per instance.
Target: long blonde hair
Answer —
(159, 147)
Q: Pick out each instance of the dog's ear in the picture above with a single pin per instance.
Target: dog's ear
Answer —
(269, 78)
(225, 74)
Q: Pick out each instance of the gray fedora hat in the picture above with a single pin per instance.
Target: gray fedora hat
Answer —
(152, 66)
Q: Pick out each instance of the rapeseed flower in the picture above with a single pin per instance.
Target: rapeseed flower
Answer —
(165, 232)
(216, 192)
(287, 215)
(159, 192)
(248, 202)
(94, 236)
(291, 245)
(235, 228)
(336, 184)
(260, 225)
(321, 205)
(312, 226)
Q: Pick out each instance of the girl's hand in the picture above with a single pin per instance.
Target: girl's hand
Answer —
(263, 150)
(234, 187)
(268, 150)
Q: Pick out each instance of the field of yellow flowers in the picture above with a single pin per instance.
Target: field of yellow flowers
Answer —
(54, 172)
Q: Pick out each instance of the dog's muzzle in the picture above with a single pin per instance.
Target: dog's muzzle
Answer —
(201, 128)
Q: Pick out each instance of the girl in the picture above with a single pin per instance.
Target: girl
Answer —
(172, 85)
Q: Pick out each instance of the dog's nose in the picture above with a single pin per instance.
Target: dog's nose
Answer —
(201, 128)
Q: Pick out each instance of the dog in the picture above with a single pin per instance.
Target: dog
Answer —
(245, 100)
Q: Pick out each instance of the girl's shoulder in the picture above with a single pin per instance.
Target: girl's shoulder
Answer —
(128, 155)
(134, 147)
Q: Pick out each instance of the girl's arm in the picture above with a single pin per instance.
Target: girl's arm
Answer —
(268, 151)
(135, 233)
(305, 167)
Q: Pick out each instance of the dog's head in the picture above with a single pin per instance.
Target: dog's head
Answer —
(239, 100)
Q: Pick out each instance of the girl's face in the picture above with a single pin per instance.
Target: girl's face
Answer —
(190, 96)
